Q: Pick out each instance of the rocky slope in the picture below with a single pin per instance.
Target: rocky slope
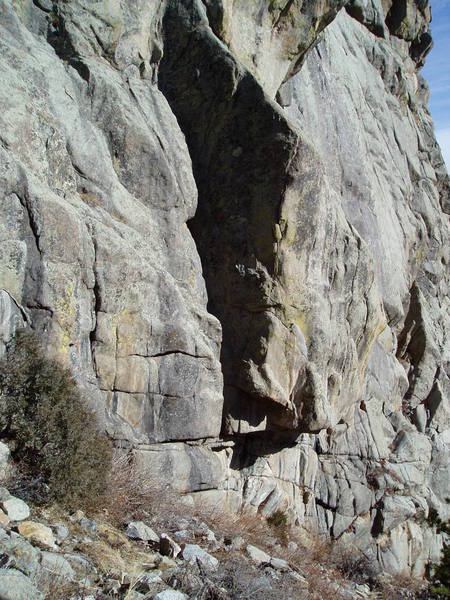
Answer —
(230, 219)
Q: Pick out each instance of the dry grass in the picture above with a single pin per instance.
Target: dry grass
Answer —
(53, 586)
(130, 491)
(132, 494)
(402, 587)
(310, 562)
(116, 560)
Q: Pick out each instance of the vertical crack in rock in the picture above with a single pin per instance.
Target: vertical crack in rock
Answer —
(319, 223)
(244, 209)
(262, 228)
(376, 88)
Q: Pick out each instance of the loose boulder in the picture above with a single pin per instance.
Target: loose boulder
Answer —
(37, 533)
(193, 553)
(138, 530)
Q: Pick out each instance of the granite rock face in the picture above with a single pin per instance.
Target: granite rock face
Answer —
(274, 240)
(94, 239)
(253, 189)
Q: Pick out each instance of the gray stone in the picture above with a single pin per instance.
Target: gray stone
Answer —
(420, 418)
(237, 542)
(140, 531)
(193, 553)
(84, 569)
(396, 510)
(279, 564)
(151, 578)
(206, 532)
(112, 586)
(170, 595)
(61, 532)
(183, 534)
(317, 236)
(14, 585)
(4, 458)
(12, 315)
(187, 468)
(89, 524)
(15, 508)
(257, 555)
(22, 555)
(56, 566)
(70, 276)
(272, 59)
(265, 354)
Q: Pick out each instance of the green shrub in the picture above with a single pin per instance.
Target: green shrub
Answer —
(53, 433)
(441, 577)
(440, 581)
(279, 523)
(278, 519)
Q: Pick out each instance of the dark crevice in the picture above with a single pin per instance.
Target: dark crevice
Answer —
(378, 523)
(19, 307)
(241, 149)
(97, 305)
(81, 68)
(59, 38)
(42, 6)
(34, 228)
(397, 13)
(283, 13)
(325, 505)
(169, 352)
(356, 12)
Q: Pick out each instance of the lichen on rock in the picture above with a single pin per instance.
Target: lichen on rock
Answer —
(229, 218)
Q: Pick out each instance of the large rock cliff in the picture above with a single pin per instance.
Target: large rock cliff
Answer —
(229, 217)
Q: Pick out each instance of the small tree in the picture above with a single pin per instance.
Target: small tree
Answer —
(54, 433)
(441, 579)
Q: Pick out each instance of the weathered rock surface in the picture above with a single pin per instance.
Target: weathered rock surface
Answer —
(102, 566)
(14, 585)
(4, 458)
(272, 292)
(170, 595)
(15, 508)
(140, 531)
(321, 229)
(257, 555)
(193, 554)
(56, 566)
(96, 243)
(271, 38)
(38, 533)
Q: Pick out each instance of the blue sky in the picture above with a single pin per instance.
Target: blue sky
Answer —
(437, 72)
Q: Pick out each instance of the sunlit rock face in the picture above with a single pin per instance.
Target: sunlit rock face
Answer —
(290, 279)
(270, 37)
(229, 218)
(97, 186)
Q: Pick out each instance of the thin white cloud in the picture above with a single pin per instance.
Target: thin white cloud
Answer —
(443, 138)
